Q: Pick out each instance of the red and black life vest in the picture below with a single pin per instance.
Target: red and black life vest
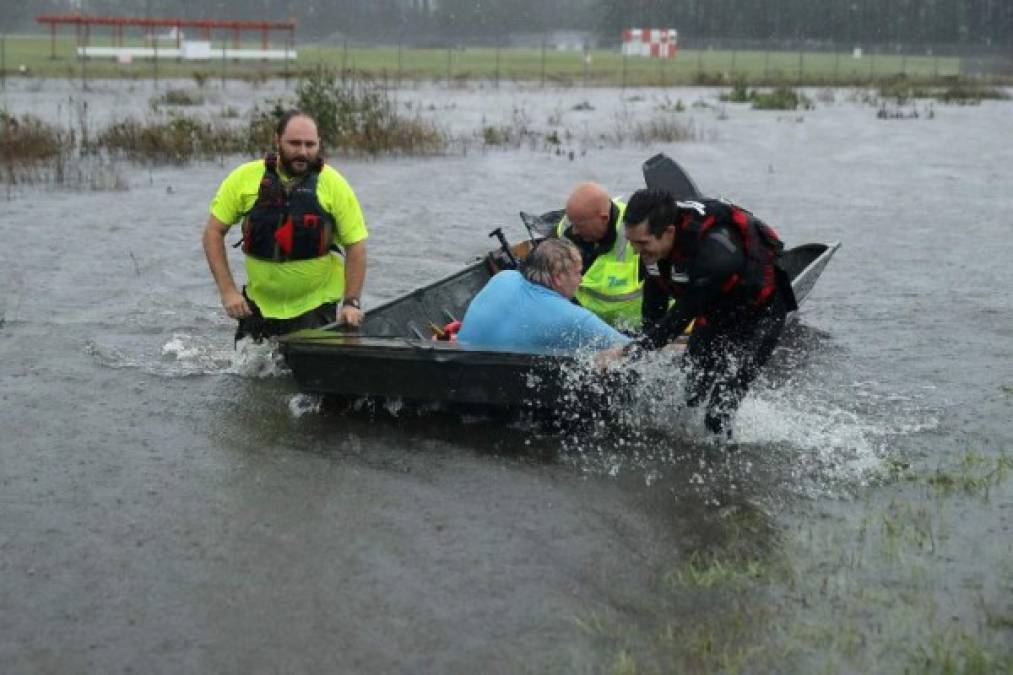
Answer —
(758, 279)
(288, 224)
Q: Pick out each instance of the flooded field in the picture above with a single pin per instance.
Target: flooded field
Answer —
(170, 505)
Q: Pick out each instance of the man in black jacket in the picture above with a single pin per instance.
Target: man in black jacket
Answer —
(718, 262)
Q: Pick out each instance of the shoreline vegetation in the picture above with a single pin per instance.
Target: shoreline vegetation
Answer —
(359, 115)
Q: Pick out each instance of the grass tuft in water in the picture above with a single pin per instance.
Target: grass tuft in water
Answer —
(782, 98)
(359, 115)
(25, 138)
(176, 140)
(975, 474)
(661, 129)
(902, 90)
(31, 150)
(740, 93)
(178, 97)
(624, 664)
(705, 572)
(493, 135)
(948, 653)
(970, 93)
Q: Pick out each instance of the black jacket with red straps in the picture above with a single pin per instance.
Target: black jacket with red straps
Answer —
(722, 268)
(287, 224)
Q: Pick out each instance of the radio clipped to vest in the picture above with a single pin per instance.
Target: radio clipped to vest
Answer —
(287, 224)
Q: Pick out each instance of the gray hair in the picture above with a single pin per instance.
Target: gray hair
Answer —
(551, 256)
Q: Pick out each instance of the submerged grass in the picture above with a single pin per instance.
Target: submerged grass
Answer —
(952, 90)
(355, 117)
(712, 613)
(28, 146)
(887, 577)
(957, 653)
(975, 474)
(701, 573)
(661, 129)
(780, 98)
(176, 140)
(740, 93)
(26, 138)
(360, 116)
(869, 591)
(970, 93)
(178, 97)
(32, 151)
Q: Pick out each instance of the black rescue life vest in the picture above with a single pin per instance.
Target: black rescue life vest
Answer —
(759, 278)
(287, 225)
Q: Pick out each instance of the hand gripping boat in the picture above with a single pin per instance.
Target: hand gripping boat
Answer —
(394, 354)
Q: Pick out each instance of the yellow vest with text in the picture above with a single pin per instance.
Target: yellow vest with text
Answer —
(611, 287)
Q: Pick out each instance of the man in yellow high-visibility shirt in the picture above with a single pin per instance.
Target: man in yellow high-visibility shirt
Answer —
(612, 283)
(295, 211)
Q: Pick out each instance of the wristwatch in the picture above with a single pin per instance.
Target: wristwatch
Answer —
(351, 302)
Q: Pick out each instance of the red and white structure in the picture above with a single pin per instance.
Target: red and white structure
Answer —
(655, 43)
(194, 50)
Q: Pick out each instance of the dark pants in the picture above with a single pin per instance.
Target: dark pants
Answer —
(725, 355)
(258, 327)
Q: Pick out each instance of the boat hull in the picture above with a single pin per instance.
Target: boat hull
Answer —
(393, 355)
(325, 362)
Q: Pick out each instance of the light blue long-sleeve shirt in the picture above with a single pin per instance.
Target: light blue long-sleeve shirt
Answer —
(511, 313)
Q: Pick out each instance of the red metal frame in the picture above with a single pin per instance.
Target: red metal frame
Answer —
(118, 22)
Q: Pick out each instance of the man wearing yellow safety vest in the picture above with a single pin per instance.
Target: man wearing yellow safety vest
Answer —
(612, 283)
(296, 211)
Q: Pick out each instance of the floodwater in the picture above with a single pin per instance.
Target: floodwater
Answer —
(170, 505)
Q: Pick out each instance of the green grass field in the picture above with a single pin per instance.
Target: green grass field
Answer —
(603, 67)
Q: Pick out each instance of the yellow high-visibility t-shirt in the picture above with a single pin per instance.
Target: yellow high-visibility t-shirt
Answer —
(283, 290)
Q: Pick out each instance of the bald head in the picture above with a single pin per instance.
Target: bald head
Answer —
(588, 210)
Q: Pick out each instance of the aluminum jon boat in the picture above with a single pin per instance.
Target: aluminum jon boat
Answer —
(394, 354)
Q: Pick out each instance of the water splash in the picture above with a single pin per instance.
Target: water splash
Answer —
(394, 406)
(304, 404)
(257, 360)
(820, 432)
(181, 356)
(185, 355)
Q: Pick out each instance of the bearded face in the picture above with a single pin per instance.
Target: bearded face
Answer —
(299, 146)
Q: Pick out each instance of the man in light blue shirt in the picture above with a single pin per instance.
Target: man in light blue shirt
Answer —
(532, 312)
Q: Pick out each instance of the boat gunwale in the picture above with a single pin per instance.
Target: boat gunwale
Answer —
(340, 338)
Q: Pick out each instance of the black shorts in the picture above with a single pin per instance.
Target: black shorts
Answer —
(258, 327)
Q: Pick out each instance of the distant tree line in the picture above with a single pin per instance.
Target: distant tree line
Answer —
(910, 22)
(902, 22)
